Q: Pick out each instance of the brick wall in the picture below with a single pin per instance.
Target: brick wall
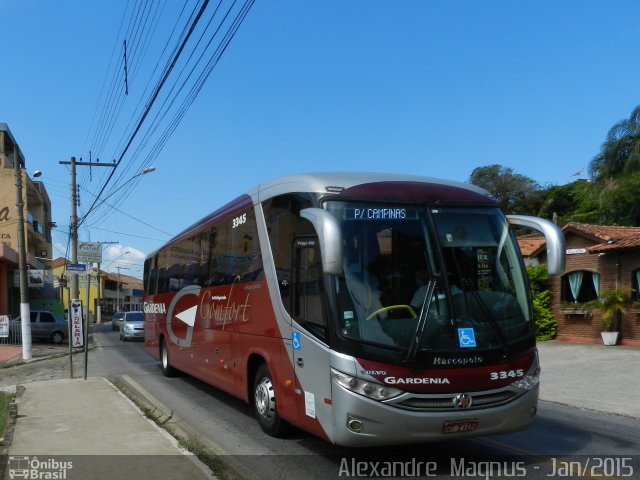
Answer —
(615, 269)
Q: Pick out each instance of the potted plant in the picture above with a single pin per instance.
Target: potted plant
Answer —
(612, 304)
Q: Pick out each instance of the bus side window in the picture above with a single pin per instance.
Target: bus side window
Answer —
(308, 308)
(151, 286)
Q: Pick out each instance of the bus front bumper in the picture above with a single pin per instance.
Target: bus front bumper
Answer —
(362, 422)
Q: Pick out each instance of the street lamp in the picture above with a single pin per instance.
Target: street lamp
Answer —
(73, 228)
(115, 260)
(97, 203)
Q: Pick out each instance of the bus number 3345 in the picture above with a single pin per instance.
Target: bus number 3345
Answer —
(504, 374)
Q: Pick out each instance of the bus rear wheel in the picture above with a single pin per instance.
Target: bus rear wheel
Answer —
(167, 369)
(264, 401)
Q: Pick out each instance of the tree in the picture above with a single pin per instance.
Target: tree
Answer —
(578, 201)
(515, 193)
(545, 323)
(621, 205)
(620, 152)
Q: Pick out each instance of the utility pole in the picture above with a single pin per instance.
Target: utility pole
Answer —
(73, 231)
(25, 311)
(74, 227)
(74, 215)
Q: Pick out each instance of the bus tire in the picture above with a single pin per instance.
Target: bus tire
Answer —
(167, 369)
(264, 402)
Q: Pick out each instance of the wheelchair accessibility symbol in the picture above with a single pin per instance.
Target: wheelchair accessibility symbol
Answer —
(295, 340)
(466, 337)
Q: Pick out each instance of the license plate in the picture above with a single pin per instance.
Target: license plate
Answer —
(460, 426)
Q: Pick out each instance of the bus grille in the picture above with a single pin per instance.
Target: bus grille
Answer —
(445, 403)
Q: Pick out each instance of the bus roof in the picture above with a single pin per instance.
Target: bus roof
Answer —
(333, 183)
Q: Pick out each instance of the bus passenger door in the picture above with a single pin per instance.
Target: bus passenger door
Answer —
(310, 338)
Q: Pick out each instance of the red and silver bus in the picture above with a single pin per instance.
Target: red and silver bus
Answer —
(367, 309)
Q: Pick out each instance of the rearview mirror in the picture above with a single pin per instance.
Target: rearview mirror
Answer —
(329, 237)
(554, 237)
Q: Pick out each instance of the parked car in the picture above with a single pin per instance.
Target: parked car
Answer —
(45, 325)
(116, 320)
(132, 326)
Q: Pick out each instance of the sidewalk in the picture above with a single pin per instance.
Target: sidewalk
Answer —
(58, 417)
(12, 354)
(63, 434)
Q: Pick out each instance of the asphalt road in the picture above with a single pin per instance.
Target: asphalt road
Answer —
(562, 437)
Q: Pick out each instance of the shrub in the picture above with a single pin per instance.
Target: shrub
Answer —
(545, 323)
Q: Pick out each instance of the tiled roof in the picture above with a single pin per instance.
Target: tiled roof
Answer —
(530, 244)
(601, 232)
(616, 244)
(58, 262)
(606, 238)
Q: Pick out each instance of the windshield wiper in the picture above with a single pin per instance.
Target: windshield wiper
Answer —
(469, 287)
(422, 321)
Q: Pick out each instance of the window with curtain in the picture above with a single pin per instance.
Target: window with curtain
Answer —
(580, 286)
(635, 284)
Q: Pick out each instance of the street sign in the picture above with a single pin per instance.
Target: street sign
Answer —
(90, 252)
(75, 268)
(4, 326)
(77, 337)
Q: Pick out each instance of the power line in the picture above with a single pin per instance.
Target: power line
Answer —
(152, 100)
(200, 45)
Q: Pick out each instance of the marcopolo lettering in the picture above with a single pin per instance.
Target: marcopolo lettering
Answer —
(458, 361)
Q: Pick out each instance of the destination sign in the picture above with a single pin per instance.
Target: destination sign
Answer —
(381, 213)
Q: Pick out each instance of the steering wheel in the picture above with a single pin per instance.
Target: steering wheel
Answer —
(394, 307)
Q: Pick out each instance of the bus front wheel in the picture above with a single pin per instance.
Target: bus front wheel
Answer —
(264, 400)
(167, 369)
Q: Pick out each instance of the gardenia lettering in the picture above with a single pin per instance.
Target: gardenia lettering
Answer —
(416, 381)
(154, 308)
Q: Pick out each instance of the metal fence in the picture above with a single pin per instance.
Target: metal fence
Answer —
(14, 338)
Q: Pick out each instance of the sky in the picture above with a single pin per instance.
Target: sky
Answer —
(434, 88)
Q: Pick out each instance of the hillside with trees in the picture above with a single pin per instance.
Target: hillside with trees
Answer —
(611, 196)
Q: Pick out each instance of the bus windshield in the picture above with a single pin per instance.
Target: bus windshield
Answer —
(427, 279)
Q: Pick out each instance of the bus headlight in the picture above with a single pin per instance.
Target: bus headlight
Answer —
(530, 380)
(373, 390)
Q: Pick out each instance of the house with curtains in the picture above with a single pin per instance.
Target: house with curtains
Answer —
(599, 258)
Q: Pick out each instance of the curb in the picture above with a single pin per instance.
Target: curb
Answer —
(179, 429)
(7, 438)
